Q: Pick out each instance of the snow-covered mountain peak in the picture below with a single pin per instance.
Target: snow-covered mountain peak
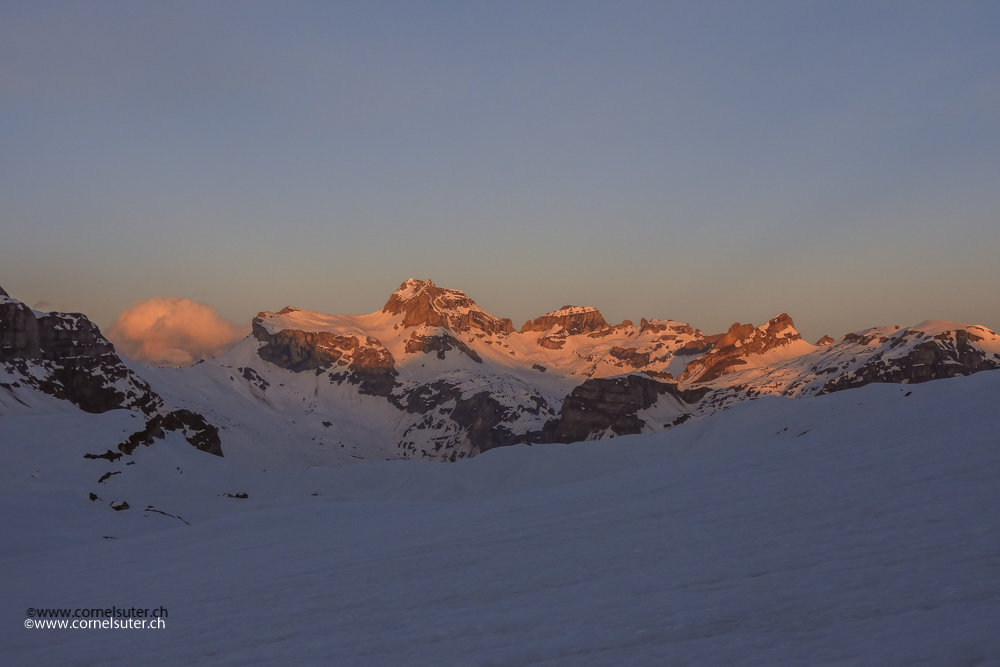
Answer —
(936, 327)
(307, 320)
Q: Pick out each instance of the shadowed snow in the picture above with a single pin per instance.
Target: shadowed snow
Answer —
(855, 528)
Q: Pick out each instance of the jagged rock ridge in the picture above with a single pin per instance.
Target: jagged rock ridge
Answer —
(741, 343)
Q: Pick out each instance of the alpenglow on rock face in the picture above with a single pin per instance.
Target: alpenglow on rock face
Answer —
(741, 343)
(433, 376)
(422, 303)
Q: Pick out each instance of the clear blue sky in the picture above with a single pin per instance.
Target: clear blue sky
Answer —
(705, 161)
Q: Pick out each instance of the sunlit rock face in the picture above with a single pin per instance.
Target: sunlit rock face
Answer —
(574, 320)
(422, 303)
(567, 321)
(931, 350)
(739, 343)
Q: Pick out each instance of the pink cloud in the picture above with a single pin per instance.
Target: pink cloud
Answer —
(170, 331)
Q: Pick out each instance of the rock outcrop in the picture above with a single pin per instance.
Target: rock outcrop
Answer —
(451, 427)
(631, 356)
(368, 363)
(567, 321)
(439, 344)
(699, 345)
(71, 336)
(64, 355)
(574, 320)
(482, 417)
(193, 426)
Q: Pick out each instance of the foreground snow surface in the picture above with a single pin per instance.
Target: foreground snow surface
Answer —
(865, 533)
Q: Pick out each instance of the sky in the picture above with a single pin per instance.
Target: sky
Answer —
(708, 162)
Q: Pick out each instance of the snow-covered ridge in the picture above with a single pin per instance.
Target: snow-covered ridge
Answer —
(306, 320)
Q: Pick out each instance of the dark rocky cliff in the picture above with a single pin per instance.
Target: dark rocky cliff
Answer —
(73, 361)
(18, 330)
(65, 356)
(612, 403)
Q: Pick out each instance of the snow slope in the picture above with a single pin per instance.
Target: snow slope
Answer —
(857, 527)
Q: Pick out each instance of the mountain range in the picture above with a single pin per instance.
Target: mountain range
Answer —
(433, 376)
(746, 497)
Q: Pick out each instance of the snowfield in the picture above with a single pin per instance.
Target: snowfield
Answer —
(856, 528)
